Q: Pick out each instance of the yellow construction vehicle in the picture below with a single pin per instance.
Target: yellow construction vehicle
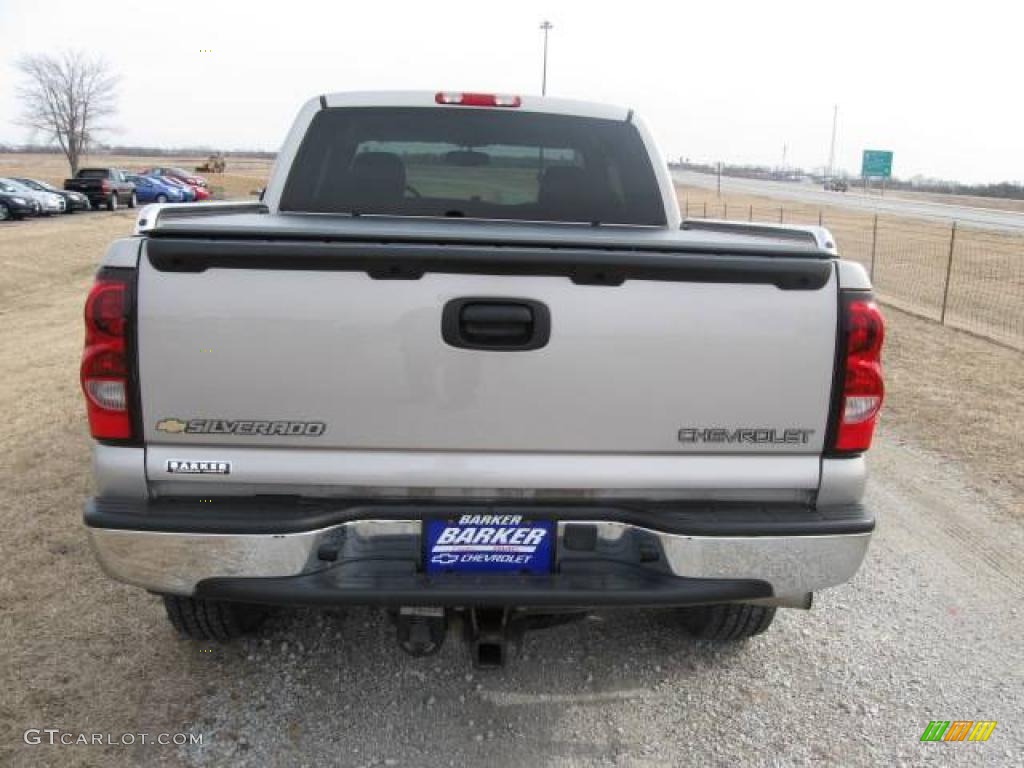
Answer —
(214, 164)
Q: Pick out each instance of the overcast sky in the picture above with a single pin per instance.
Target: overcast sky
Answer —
(937, 83)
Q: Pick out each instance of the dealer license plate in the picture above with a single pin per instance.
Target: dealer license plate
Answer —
(488, 543)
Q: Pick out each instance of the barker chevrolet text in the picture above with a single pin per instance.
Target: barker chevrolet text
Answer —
(464, 361)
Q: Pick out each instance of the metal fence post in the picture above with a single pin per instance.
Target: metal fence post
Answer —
(874, 242)
(705, 209)
(819, 217)
(725, 210)
(751, 212)
(949, 270)
(780, 214)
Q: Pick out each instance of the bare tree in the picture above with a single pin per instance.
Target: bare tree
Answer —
(66, 98)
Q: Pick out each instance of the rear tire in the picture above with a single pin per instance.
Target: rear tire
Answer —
(132, 200)
(5, 212)
(112, 202)
(161, 198)
(727, 622)
(212, 620)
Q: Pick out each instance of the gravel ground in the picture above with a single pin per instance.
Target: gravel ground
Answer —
(929, 629)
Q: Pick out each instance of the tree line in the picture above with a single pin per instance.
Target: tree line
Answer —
(134, 150)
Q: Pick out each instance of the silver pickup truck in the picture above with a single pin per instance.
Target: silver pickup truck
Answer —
(465, 362)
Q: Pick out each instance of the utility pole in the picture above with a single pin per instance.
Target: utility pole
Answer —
(546, 27)
(719, 178)
(832, 147)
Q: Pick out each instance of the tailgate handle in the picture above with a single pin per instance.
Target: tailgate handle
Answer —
(496, 321)
(512, 325)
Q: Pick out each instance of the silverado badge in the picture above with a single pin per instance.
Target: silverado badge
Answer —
(244, 427)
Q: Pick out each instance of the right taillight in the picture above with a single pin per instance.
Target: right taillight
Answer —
(861, 388)
(105, 371)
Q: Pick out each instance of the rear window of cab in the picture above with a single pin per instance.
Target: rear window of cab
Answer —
(487, 163)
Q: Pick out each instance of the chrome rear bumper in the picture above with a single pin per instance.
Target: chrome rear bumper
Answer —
(176, 563)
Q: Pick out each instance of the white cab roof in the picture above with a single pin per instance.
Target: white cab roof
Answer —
(426, 99)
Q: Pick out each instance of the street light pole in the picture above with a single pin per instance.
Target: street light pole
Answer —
(832, 147)
(546, 26)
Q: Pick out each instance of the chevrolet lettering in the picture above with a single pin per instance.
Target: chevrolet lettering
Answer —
(746, 436)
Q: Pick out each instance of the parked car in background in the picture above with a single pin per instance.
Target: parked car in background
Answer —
(202, 193)
(198, 193)
(177, 173)
(188, 190)
(151, 189)
(49, 203)
(105, 187)
(835, 185)
(73, 201)
(14, 205)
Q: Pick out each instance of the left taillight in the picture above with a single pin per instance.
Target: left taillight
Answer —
(860, 384)
(106, 370)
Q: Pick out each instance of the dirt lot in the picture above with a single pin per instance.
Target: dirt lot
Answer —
(242, 178)
(930, 628)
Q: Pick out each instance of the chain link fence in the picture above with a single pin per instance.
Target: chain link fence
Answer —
(968, 278)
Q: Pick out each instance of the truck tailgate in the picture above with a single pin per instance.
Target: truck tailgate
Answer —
(275, 356)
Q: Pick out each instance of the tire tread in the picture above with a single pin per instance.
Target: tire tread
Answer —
(728, 622)
(211, 620)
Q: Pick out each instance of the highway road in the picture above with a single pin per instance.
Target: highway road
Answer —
(987, 218)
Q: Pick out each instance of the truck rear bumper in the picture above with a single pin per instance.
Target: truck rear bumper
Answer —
(324, 553)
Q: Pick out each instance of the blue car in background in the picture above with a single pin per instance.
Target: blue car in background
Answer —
(149, 189)
(186, 190)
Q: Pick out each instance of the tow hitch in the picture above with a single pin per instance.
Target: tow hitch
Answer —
(488, 632)
(492, 635)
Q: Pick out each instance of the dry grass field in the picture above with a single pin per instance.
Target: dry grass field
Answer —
(986, 290)
(973, 201)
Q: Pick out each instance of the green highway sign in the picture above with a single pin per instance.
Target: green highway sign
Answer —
(876, 162)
